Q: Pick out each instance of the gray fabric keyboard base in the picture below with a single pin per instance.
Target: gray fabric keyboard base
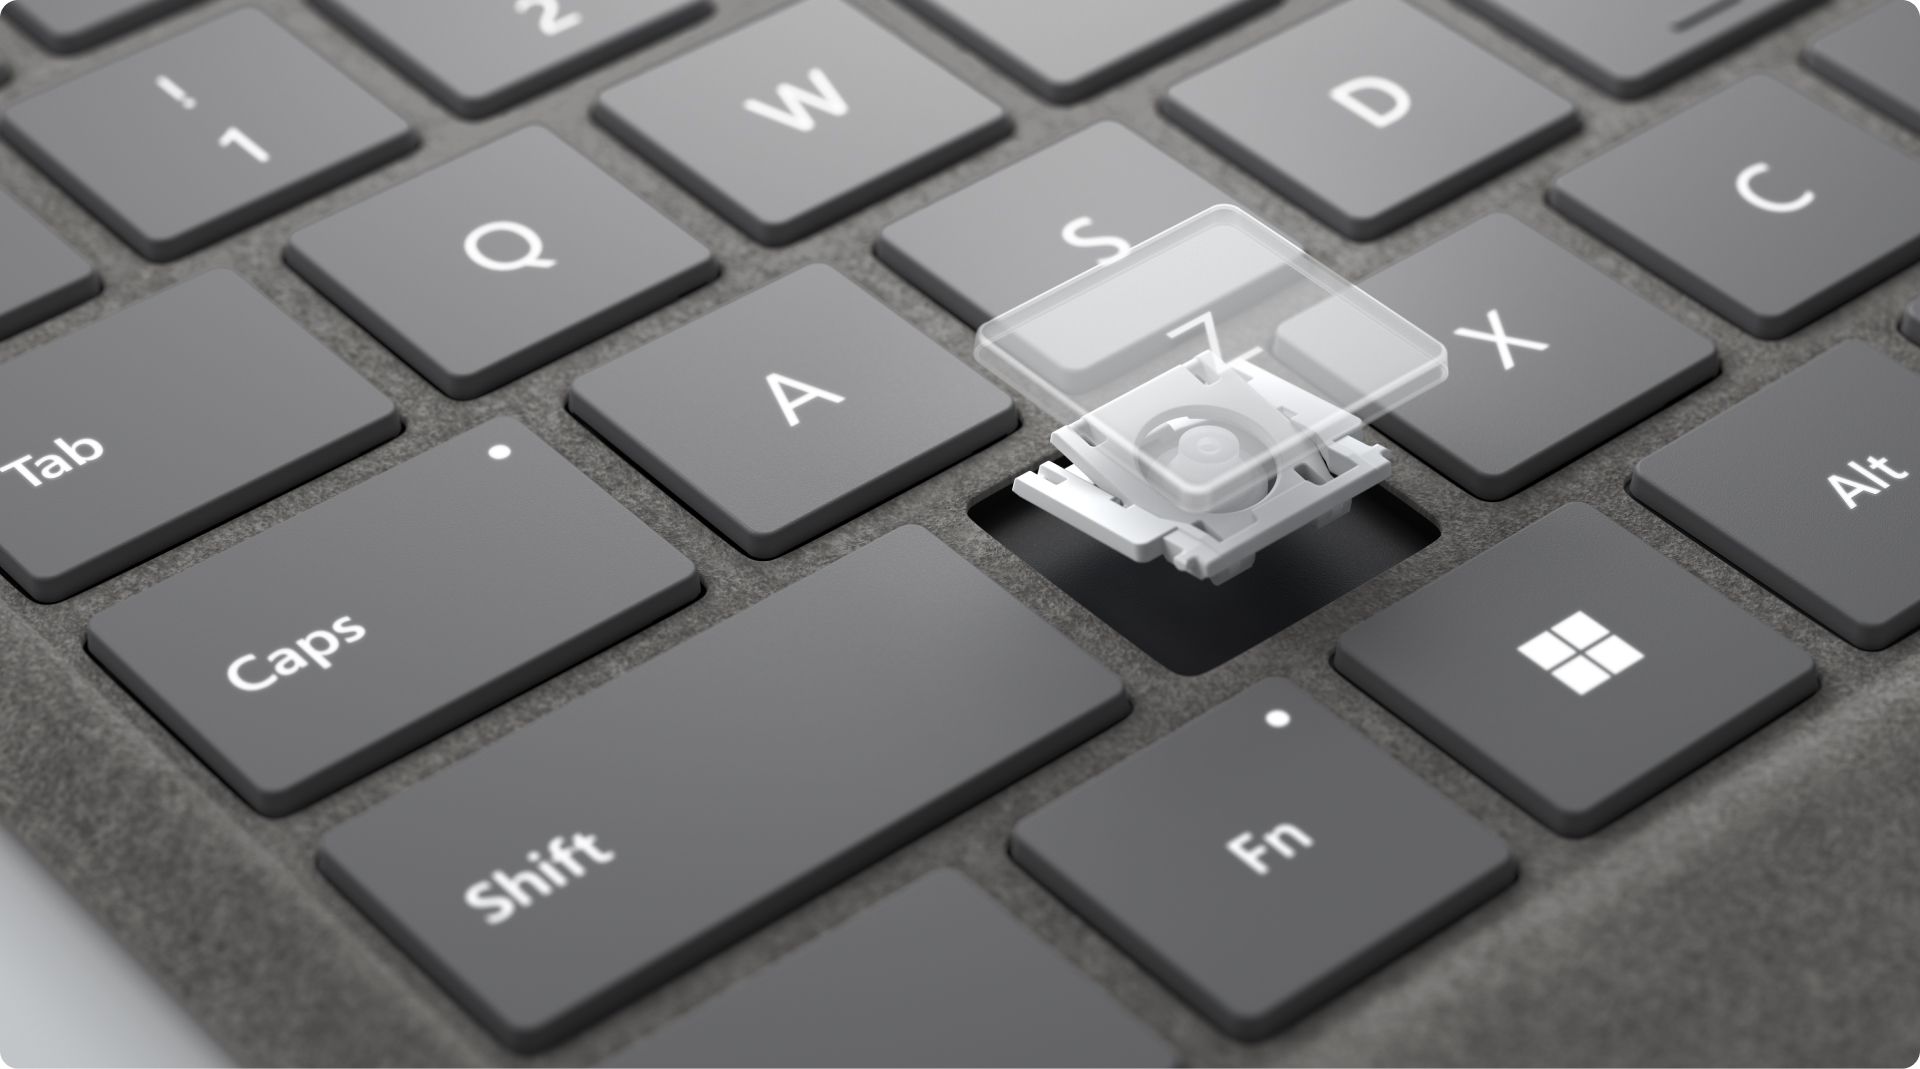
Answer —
(1763, 910)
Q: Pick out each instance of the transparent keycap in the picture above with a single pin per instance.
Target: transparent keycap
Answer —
(1207, 383)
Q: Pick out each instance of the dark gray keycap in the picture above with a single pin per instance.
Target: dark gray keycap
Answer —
(1759, 203)
(1262, 858)
(1067, 208)
(799, 118)
(40, 275)
(1068, 49)
(479, 58)
(1873, 58)
(789, 411)
(489, 266)
(1576, 669)
(138, 432)
(1548, 357)
(71, 25)
(196, 137)
(935, 971)
(1631, 49)
(1810, 486)
(1370, 114)
(719, 785)
(323, 648)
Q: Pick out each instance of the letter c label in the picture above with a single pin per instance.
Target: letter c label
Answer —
(1767, 204)
(234, 677)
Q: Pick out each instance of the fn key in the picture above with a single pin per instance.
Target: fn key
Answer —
(1262, 858)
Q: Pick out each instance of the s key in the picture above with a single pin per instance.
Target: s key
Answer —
(181, 144)
(597, 852)
(135, 433)
(320, 649)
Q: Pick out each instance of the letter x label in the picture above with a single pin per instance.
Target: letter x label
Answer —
(1500, 339)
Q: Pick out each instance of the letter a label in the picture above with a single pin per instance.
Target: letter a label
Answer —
(792, 393)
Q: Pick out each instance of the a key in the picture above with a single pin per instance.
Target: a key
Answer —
(40, 275)
(791, 410)
(1631, 49)
(497, 262)
(935, 970)
(1073, 49)
(595, 853)
(135, 433)
(1263, 857)
(477, 58)
(181, 144)
(800, 118)
(72, 25)
(325, 647)
(1759, 203)
(1548, 357)
(1370, 114)
(1065, 209)
(1810, 486)
(1873, 58)
(1576, 669)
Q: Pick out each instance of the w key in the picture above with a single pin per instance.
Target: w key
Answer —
(140, 431)
(321, 649)
(188, 141)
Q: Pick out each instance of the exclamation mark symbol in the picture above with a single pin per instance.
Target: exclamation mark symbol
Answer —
(172, 88)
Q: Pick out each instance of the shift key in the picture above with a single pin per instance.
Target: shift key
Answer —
(327, 646)
(607, 846)
(132, 435)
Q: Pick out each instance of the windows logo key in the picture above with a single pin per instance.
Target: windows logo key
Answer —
(1581, 654)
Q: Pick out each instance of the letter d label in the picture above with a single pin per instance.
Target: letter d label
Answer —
(1399, 101)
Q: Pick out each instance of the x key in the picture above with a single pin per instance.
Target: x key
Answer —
(1500, 339)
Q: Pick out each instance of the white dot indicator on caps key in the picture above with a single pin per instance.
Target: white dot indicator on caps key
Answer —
(501, 451)
(1278, 718)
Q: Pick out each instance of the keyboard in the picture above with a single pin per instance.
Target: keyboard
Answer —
(561, 599)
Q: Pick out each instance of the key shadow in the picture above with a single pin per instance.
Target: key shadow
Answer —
(1192, 626)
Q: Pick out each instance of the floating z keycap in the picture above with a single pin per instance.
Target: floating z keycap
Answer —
(935, 970)
(494, 264)
(595, 853)
(1370, 114)
(1065, 209)
(1760, 204)
(1576, 669)
(71, 25)
(477, 58)
(1068, 49)
(325, 647)
(1547, 356)
(40, 275)
(1812, 486)
(795, 120)
(787, 412)
(1632, 47)
(137, 432)
(1876, 58)
(1262, 857)
(196, 137)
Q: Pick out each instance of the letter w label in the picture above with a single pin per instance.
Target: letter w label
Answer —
(797, 105)
(1399, 101)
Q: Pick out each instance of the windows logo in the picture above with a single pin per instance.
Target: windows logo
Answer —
(1581, 654)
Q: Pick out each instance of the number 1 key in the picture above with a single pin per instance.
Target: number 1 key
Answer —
(182, 144)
